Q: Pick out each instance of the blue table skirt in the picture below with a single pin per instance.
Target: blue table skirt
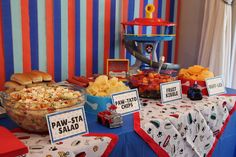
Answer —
(131, 145)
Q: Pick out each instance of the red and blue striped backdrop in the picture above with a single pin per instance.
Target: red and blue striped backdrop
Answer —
(72, 37)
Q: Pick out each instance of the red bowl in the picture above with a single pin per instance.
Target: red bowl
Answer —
(186, 83)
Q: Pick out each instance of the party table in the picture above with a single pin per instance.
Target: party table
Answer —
(130, 143)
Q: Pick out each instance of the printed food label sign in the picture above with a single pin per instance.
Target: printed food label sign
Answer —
(171, 91)
(66, 124)
(215, 86)
(118, 68)
(127, 102)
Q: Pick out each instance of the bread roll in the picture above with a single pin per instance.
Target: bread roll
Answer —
(35, 77)
(51, 83)
(37, 84)
(45, 76)
(13, 85)
(22, 79)
(9, 90)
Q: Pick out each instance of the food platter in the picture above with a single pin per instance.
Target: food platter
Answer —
(29, 106)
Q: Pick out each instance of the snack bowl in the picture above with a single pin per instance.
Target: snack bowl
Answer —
(96, 104)
(196, 74)
(186, 83)
(31, 115)
(98, 93)
(148, 83)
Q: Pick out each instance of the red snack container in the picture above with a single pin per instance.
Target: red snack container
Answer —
(10, 145)
(186, 83)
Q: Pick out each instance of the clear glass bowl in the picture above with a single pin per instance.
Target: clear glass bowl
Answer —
(34, 120)
(148, 84)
